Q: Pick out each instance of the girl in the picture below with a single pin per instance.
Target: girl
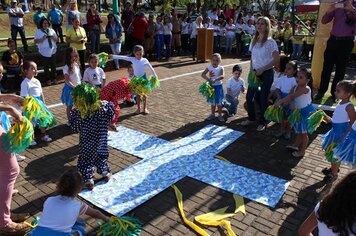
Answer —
(346, 150)
(335, 215)
(31, 86)
(61, 213)
(12, 60)
(72, 78)
(91, 118)
(283, 88)
(198, 24)
(343, 117)
(279, 70)
(159, 38)
(149, 42)
(301, 97)
(230, 36)
(215, 77)
(94, 75)
(297, 42)
(139, 63)
(167, 31)
(113, 31)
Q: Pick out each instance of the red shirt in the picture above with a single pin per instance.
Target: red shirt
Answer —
(140, 26)
(93, 20)
(115, 91)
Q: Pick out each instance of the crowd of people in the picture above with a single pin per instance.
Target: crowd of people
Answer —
(92, 106)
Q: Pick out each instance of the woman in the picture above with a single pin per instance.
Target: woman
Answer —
(159, 37)
(167, 31)
(149, 42)
(9, 170)
(264, 55)
(94, 28)
(76, 37)
(335, 215)
(46, 40)
(198, 24)
(113, 32)
(139, 26)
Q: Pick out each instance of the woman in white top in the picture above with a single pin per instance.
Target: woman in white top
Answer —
(230, 36)
(264, 55)
(159, 38)
(46, 40)
(249, 28)
(167, 31)
(335, 215)
(198, 24)
(186, 25)
(239, 28)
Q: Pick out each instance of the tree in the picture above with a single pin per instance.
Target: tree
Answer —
(282, 6)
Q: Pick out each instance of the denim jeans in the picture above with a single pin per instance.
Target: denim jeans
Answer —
(297, 51)
(159, 45)
(216, 43)
(168, 44)
(229, 40)
(231, 104)
(21, 31)
(116, 50)
(260, 95)
(95, 41)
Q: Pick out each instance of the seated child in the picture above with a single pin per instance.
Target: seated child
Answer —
(234, 86)
(60, 216)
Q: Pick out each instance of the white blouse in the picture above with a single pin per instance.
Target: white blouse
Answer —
(261, 54)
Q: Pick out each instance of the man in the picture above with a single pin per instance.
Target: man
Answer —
(38, 16)
(126, 20)
(72, 13)
(16, 21)
(339, 45)
(56, 18)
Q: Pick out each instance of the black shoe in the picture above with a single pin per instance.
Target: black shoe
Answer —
(330, 177)
(319, 96)
(326, 171)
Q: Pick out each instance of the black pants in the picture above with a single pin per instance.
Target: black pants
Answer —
(21, 31)
(59, 31)
(185, 42)
(194, 46)
(82, 60)
(50, 62)
(337, 53)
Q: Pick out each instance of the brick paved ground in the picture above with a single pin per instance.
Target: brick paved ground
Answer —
(177, 110)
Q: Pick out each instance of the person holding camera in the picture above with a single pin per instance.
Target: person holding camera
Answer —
(46, 40)
(339, 45)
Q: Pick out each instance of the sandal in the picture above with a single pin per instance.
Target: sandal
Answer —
(326, 171)
(18, 218)
(17, 229)
(296, 154)
(330, 177)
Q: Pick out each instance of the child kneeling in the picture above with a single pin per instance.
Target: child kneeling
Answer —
(234, 86)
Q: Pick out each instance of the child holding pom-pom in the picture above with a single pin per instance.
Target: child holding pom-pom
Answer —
(61, 213)
(343, 117)
(31, 86)
(91, 119)
(345, 151)
(301, 97)
(139, 65)
(214, 74)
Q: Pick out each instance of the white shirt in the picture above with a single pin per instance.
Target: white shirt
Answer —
(208, 26)
(216, 30)
(194, 32)
(340, 114)
(75, 76)
(214, 72)
(167, 29)
(15, 20)
(222, 31)
(285, 84)
(303, 100)
(249, 29)
(213, 16)
(31, 87)
(261, 55)
(60, 213)
(276, 77)
(239, 28)
(159, 28)
(185, 27)
(94, 76)
(236, 86)
(246, 18)
(228, 32)
(43, 48)
(138, 66)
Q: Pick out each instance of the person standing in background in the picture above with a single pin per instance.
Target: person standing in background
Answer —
(176, 31)
(126, 20)
(72, 13)
(94, 28)
(56, 18)
(38, 16)
(16, 21)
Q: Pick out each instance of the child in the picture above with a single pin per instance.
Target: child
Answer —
(91, 118)
(234, 86)
(346, 150)
(31, 86)
(130, 72)
(343, 117)
(130, 75)
(61, 213)
(301, 97)
(72, 78)
(283, 88)
(335, 215)
(139, 64)
(113, 92)
(94, 75)
(279, 70)
(215, 77)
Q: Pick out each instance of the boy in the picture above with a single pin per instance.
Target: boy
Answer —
(234, 86)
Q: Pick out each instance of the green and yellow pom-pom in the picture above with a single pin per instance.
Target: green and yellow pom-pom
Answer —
(140, 86)
(34, 223)
(103, 59)
(207, 90)
(120, 226)
(295, 117)
(274, 113)
(19, 137)
(34, 108)
(86, 99)
(329, 153)
(253, 80)
(154, 83)
(315, 120)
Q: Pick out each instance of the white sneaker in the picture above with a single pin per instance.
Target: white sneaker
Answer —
(19, 157)
(261, 128)
(246, 122)
(33, 143)
(46, 138)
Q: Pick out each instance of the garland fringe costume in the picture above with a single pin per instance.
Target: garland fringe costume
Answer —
(91, 118)
(345, 152)
(115, 91)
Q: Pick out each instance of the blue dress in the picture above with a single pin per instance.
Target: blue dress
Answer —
(218, 95)
(345, 152)
(302, 126)
(66, 97)
(78, 227)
